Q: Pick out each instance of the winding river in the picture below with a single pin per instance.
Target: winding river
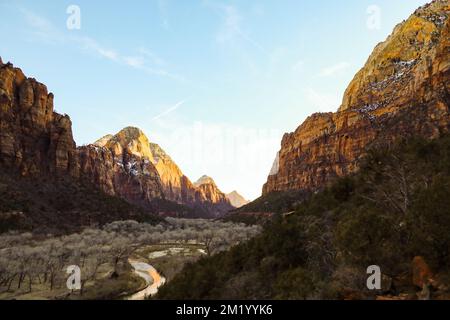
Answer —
(153, 279)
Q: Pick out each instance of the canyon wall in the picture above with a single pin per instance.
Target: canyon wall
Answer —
(122, 167)
(37, 141)
(34, 139)
(402, 91)
(128, 165)
(211, 197)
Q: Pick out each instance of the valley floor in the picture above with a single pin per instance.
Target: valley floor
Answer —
(123, 260)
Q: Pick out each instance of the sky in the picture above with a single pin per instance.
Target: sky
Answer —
(215, 83)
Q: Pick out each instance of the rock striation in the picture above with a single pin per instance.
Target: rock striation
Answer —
(236, 199)
(130, 166)
(177, 187)
(34, 139)
(37, 141)
(211, 197)
(402, 91)
(122, 166)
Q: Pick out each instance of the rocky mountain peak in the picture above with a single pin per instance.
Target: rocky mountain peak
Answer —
(131, 133)
(150, 170)
(158, 153)
(403, 90)
(204, 180)
(177, 187)
(208, 192)
(35, 140)
(236, 199)
(403, 57)
(131, 140)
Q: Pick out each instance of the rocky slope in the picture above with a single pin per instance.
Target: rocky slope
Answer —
(35, 141)
(129, 165)
(42, 183)
(210, 195)
(203, 194)
(322, 248)
(33, 138)
(403, 90)
(122, 166)
(177, 187)
(236, 199)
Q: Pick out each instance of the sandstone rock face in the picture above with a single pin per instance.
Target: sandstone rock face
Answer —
(208, 190)
(236, 199)
(421, 272)
(402, 91)
(177, 187)
(122, 166)
(33, 138)
(211, 197)
(103, 141)
(130, 166)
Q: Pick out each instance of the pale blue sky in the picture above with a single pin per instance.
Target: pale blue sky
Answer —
(215, 83)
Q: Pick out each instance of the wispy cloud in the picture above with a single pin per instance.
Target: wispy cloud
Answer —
(334, 69)
(44, 30)
(231, 28)
(41, 27)
(92, 45)
(141, 62)
(135, 62)
(37, 21)
(169, 110)
(144, 59)
(153, 57)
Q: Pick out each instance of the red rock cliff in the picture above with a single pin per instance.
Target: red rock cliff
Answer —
(130, 166)
(33, 138)
(403, 90)
(122, 166)
(214, 200)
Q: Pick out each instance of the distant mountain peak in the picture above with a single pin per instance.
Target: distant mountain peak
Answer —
(130, 139)
(204, 180)
(236, 199)
(159, 153)
(132, 132)
(175, 186)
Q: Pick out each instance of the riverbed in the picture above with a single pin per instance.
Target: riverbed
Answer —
(152, 278)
